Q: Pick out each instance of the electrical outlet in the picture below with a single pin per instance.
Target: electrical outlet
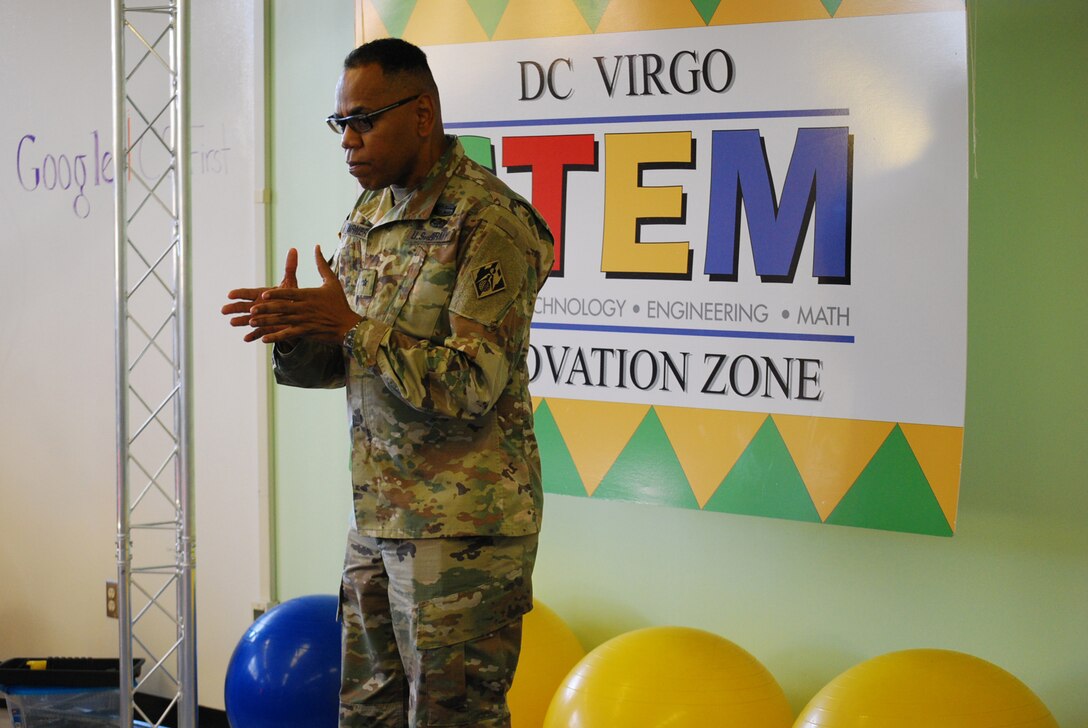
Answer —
(259, 608)
(111, 599)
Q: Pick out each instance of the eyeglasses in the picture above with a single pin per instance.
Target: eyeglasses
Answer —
(362, 123)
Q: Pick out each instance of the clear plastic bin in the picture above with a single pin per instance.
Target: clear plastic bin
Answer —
(63, 692)
(63, 707)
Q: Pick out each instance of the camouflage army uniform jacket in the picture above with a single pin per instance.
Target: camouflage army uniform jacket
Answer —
(442, 437)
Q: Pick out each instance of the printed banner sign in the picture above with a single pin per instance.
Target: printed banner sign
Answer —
(758, 303)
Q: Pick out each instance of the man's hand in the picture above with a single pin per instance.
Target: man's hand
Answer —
(289, 312)
(248, 296)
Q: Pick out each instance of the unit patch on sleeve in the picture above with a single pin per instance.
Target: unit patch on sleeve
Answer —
(489, 279)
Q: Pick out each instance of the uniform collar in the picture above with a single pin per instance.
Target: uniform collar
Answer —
(419, 204)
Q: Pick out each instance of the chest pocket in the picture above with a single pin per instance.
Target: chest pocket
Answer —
(404, 276)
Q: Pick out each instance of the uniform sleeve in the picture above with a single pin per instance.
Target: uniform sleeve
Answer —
(308, 364)
(490, 311)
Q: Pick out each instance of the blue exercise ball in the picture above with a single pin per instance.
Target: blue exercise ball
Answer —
(285, 671)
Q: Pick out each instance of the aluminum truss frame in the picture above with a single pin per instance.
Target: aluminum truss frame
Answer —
(156, 554)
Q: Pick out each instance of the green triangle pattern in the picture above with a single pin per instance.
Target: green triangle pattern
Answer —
(592, 11)
(647, 470)
(765, 482)
(560, 475)
(489, 13)
(832, 6)
(707, 8)
(892, 494)
(394, 14)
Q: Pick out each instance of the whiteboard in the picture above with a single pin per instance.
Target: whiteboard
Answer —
(57, 400)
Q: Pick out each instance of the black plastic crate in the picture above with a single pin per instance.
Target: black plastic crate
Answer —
(76, 672)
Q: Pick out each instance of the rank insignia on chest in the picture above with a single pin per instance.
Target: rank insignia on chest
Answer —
(489, 280)
(364, 286)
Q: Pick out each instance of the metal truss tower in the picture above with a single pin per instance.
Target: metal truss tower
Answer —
(155, 504)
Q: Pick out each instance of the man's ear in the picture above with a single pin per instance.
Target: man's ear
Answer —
(426, 114)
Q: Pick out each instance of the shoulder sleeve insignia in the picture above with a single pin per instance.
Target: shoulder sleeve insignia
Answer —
(489, 279)
(492, 278)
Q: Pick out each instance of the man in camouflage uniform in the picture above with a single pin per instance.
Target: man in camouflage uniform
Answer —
(424, 316)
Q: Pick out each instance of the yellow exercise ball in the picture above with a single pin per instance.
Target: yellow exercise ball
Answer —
(932, 688)
(549, 649)
(669, 676)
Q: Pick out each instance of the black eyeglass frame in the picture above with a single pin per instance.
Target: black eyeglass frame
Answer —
(362, 123)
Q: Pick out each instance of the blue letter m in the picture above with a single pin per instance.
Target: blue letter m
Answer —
(818, 175)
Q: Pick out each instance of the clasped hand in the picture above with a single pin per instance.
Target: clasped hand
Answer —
(287, 312)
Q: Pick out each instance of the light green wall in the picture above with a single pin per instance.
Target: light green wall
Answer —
(810, 601)
(311, 194)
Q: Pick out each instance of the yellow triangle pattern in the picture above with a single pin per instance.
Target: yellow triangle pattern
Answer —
(939, 451)
(830, 453)
(452, 21)
(536, 19)
(858, 8)
(627, 15)
(761, 11)
(434, 22)
(708, 445)
(595, 433)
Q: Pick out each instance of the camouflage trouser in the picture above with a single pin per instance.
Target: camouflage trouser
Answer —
(432, 629)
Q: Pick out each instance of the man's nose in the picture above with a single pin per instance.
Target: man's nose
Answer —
(351, 139)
